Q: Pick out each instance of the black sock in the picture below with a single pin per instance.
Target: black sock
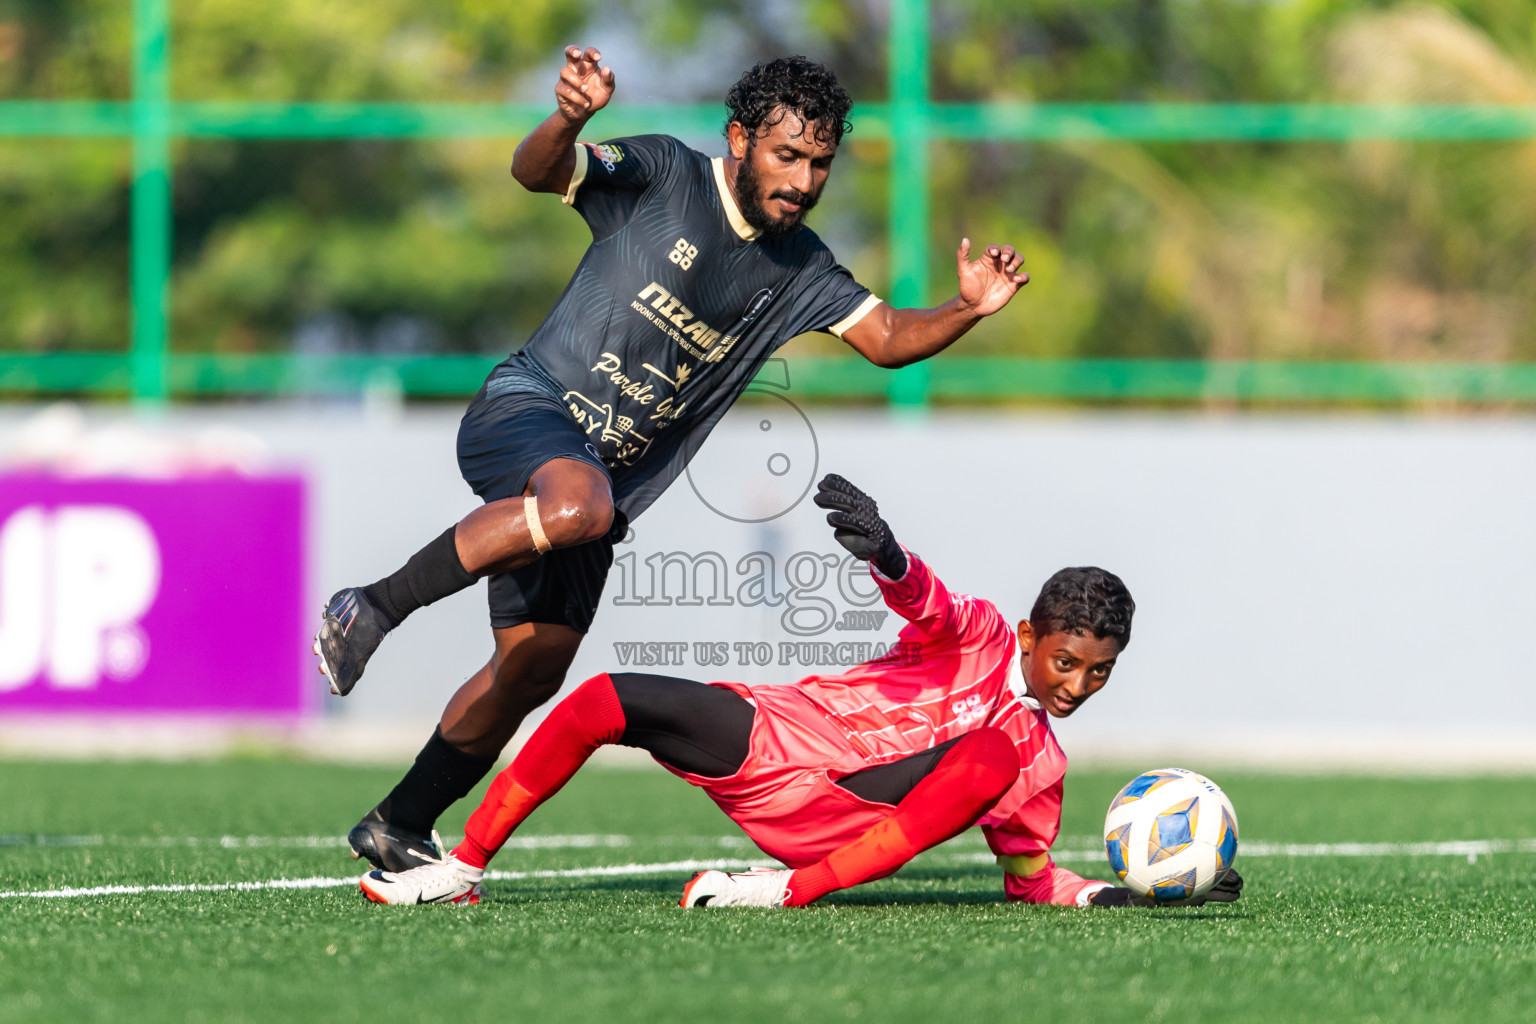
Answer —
(432, 574)
(441, 775)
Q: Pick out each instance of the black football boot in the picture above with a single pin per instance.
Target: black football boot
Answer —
(391, 847)
(350, 632)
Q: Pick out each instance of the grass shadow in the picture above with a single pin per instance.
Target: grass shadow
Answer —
(545, 891)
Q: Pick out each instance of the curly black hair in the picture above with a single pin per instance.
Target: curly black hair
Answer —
(763, 96)
(1082, 601)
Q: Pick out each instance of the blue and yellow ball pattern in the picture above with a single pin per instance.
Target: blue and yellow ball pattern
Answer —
(1170, 834)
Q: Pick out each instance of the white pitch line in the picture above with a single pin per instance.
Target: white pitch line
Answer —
(666, 867)
(135, 890)
(552, 842)
(1456, 848)
(1469, 848)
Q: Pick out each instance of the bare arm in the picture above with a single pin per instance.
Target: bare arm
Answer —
(893, 337)
(546, 158)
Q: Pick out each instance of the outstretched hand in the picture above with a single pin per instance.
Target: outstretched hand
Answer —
(857, 526)
(987, 283)
(584, 87)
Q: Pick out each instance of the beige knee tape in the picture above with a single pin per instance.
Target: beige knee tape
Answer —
(535, 528)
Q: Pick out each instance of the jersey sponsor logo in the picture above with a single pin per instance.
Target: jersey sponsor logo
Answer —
(612, 367)
(757, 305)
(667, 410)
(683, 254)
(612, 428)
(682, 372)
(616, 430)
(969, 711)
(682, 325)
(607, 153)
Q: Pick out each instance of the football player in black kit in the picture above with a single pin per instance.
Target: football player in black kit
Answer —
(699, 269)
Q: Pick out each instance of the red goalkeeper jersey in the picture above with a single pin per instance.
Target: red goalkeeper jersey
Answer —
(956, 669)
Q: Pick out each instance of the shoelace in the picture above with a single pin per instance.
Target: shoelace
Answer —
(442, 865)
(440, 850)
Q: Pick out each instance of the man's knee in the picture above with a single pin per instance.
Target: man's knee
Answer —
(569, 520)
(574, 504)
(528, 669)
(524, 683)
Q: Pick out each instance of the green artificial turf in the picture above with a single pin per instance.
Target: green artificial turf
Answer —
(1368, 938)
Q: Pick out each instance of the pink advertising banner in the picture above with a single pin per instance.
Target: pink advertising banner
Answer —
(153, 596)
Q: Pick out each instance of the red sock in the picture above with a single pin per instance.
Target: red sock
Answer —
(971, 777)
(584, 721)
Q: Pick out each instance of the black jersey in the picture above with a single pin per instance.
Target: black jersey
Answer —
(672, 311)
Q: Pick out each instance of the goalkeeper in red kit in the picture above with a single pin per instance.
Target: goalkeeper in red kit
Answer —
(845, 778)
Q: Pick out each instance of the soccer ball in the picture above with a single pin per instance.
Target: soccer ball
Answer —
(1170, 834)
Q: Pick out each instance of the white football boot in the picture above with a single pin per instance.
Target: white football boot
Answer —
(448, 880)
(760, 887)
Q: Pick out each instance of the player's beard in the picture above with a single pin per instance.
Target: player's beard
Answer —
(749, 198)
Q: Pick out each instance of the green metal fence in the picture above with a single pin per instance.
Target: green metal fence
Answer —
(150, 371)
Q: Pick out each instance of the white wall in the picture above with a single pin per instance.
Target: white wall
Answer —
(1334, 590)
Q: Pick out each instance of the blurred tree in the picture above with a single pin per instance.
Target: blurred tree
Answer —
(416, 246)
(1370, 250)
(65, 49)
(63, 209)
(1230, 250)
(346, 245)
(1451, 267)
(63, 245)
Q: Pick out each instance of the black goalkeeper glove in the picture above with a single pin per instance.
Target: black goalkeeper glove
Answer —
(855, 520)
(1228, 890)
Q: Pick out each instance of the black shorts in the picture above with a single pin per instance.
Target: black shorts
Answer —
(503, 440)
(707, 730)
